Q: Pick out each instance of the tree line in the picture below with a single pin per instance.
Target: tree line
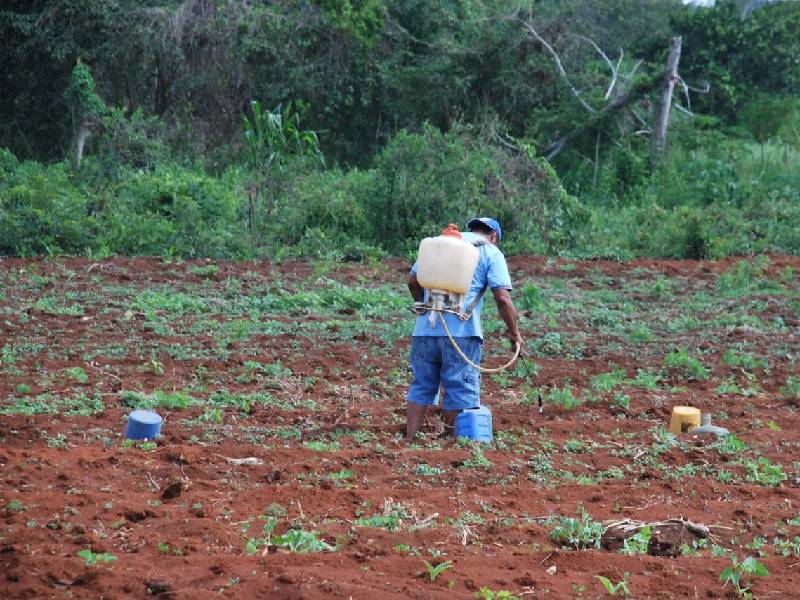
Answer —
(353, 127)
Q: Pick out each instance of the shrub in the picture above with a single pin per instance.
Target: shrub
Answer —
(175, 210)
(41, 210)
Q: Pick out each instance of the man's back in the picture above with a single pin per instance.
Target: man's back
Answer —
(491, 272)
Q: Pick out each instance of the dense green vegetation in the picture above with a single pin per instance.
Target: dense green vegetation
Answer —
(350, 128)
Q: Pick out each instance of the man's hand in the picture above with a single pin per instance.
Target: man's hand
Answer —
(516, 339)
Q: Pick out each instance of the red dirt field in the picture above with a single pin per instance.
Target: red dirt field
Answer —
(302, 366)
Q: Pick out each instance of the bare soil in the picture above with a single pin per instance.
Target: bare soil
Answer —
(178, 516)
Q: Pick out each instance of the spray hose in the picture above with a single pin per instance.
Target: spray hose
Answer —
(469, 362)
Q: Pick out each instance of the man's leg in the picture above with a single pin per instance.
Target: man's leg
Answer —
(425, 364)
(461, 381)
(415, 413)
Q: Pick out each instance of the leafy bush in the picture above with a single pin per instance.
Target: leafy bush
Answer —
(41, 210)
(175, 210)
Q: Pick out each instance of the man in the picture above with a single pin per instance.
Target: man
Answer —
(434, 361)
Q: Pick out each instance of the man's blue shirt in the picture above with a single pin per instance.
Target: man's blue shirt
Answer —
(491, 271)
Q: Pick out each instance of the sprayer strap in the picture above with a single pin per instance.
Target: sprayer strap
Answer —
(471, 306)
(471, 363)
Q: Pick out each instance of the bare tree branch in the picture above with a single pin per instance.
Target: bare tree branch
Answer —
(616, 74)
(557, 60)
(639, 117)
(644, 87)
(635, 68)
(614, 69)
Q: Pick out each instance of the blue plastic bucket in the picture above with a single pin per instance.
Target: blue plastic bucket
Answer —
(143, 425)
(475, 424)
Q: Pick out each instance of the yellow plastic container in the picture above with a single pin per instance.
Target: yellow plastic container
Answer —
(446, 263)
(684, 418)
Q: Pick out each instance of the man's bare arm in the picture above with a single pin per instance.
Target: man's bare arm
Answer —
(417, 291)
(508, 313)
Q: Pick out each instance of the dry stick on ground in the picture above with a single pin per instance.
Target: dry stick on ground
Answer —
(629, 525)
(152, 481)
(107, 374)
(334, 424)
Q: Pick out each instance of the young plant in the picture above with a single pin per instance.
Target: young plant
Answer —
(764, 473)
(487, 594)
(435, 570)
(792, 388)
(580, 533)
(478, 459)
(614, 589)
(680, 360)
(563, 397)
(297, 540)
(92, 558)
(639, 542)
(740, 575)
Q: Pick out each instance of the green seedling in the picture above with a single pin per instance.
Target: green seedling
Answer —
(210, 270)
(792, 388)
(563, 397)
(297, 540)
(615, 589)
(487, 594)
(428, 471)
(740, 575)
(787, 548)
(639, 542)
(153, 366)
(743, 360)
(391, 522)
(435, 570)
(319, 446)
(78, 374)
(478, 460)
(92, 558)
(341, 475)
(764, 472)
(606, 382)
(689, 366)
(621, 401)
(165, 548)
(580, 533)
(729, 444)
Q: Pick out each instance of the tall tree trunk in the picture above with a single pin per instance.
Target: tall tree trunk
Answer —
(658, 137)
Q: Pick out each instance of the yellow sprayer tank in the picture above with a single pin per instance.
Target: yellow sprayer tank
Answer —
(446, 262)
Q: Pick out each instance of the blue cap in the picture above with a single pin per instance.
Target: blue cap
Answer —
(490, 223)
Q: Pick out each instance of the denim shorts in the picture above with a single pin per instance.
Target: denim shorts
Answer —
(435, 362)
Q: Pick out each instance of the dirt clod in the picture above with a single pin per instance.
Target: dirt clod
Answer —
(173, 490)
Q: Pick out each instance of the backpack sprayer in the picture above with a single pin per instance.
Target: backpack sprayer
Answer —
(445, 267)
